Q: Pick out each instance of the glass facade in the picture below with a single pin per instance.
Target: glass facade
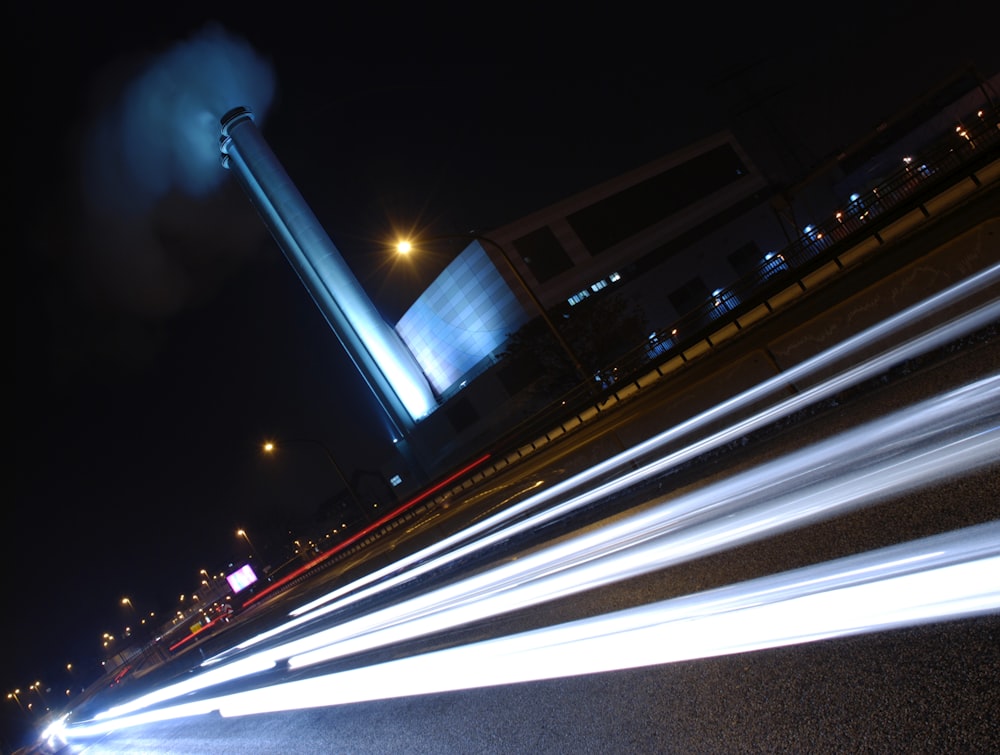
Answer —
(466, 314)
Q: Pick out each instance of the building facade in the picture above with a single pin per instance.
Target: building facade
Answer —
(664, 236)
(668, 236)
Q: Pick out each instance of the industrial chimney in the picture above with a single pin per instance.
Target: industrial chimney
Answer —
(383, 359)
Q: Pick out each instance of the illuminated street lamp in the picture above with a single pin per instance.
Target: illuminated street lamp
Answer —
(14, 696)
(405, 247)
(270, 448)
(37, 687)
(139, 617)
(245, 536)
(131, 605)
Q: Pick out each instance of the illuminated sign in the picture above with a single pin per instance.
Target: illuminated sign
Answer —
(242, 578)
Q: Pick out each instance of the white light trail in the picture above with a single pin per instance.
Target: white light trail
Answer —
(235, 670)
(412, 566)
(945, 436)
(937, 439)
(850, 596)
(949, 576)
(426, 561)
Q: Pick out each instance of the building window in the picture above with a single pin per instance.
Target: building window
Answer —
(543, 254)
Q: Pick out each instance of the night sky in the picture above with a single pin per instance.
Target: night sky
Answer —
(160, 334)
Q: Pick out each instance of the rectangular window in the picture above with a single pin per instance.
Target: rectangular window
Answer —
(543, 254)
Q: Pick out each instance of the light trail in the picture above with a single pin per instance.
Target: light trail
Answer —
(953, 440)
(456, 547)
(944, 436)
(905, 451)
(412, 566)
(949, 576)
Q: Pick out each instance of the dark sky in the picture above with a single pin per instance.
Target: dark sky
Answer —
(159, 341)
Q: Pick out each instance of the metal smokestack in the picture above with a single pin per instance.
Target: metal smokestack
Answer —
(387, 365)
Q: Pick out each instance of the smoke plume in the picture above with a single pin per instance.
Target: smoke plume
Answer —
(163, 132)
(160, 230)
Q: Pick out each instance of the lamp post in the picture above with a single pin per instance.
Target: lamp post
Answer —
(37, 687)
(270, 448)
(14, 696)
(405, 246)
(128, 602)
(142, 630)
(245, 536)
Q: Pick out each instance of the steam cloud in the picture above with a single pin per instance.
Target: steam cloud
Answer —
(163, 133)
(160, 234)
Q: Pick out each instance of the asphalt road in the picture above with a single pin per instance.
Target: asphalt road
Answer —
(930, 689)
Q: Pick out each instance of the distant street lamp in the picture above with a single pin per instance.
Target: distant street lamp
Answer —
(139, 617)
(245, 536)
(14, 696)
(127, 602)
(405, 247)
(37, 687)
(270, 448)
(142, 630)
